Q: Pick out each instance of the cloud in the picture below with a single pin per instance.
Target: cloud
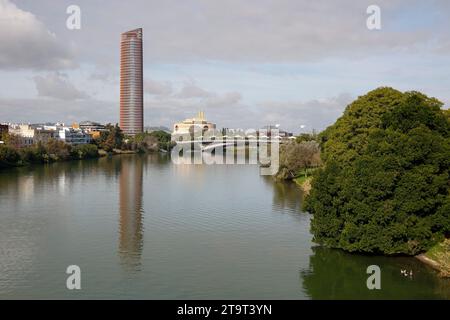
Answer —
(313, 114)
(190, 94)
(157, 88)
(57, 85)
(300, 50)
(27, 44)
(190, 90)
(228, 110)
(40, 110)
(103, 76)
(222, 101)
(270, 31)
(262, 31)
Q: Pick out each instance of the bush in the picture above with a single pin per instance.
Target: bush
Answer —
(8, 156)
(385, 184)
(57, 150)
(110, 139)
(296, 157)
(84, 151)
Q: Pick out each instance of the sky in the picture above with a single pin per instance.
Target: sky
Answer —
(246, 63)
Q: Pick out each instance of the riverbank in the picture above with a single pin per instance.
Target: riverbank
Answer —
(438, 257)
(53, 151)
(304, 183)
(51, 158)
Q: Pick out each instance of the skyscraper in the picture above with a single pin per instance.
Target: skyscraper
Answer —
(131, 83)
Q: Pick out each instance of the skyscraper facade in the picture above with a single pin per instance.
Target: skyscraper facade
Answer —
(131, 83)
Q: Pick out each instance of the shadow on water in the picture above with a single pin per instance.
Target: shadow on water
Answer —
(56, 175)
(286, 194)
(335, 274)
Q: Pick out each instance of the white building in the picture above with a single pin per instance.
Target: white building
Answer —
(43, 133)
(189, 126)
(25, 132)
(74, 136)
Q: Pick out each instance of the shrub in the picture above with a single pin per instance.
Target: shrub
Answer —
(84, 151)
(8, 156)
(385, 184)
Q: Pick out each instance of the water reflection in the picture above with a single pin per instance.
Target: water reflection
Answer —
(131, 212)
(287, 195)
(335, 274)
(53, 215)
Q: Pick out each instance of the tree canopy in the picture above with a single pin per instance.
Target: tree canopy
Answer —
(296, 156)
(110, 139)
(385, 184)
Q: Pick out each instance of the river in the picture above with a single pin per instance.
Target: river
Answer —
(141, 227)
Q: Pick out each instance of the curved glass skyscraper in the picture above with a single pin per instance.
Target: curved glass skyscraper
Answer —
(131, 83)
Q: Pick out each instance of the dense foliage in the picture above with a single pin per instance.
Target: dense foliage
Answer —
(53, 150)
(149, 141)
(305, 137)
(297, 157)
(114, 139)
(385, 185)
(110, 139)
(164, 139)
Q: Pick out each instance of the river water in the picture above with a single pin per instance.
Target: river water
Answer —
(141, 227)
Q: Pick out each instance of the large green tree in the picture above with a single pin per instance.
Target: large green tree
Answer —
(385, 186)
(111, 138)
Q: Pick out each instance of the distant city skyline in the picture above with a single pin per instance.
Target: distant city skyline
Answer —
(246, 65)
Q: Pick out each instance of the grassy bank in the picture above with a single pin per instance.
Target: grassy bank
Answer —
(304, 182)
(438, 257)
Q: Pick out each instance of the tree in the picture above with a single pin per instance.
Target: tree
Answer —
(347, 137)
(153, 141)
(295, 157)
(58, 150)
(447, 114)
(305, 137)
(385, 184)
(84, 151)
(163, 138)
(8, 156)
(11, 140)
(111, 138)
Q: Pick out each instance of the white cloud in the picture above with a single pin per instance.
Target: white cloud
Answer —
(261, 31)
(226, 100)
(26, 43)
(303, 50)
(313, 114)
(191, 90)
(157, 88)
(40, 110)
(57, 85)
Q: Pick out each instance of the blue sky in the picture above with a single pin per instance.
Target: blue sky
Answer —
(245, 63)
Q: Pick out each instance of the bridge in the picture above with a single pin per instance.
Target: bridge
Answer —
(207, 145)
